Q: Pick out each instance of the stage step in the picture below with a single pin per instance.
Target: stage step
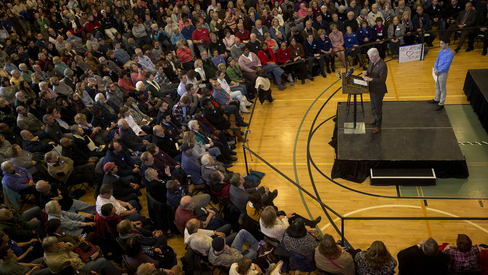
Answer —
(405, 177)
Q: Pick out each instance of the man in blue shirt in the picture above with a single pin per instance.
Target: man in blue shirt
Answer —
(187, 32)
(441, 69)
(190, 164)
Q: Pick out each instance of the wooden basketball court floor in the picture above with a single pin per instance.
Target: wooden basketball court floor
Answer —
(279, 134)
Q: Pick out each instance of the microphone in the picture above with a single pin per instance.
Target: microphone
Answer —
(348, 74)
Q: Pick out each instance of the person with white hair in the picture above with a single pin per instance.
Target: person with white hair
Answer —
(145, 61)
(57, 253)
(374, 14)
(376, 76)
(16, 78)
(71, 223)
(108, 112)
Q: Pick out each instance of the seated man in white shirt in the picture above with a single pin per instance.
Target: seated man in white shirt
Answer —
(200, 240)
(127, 210)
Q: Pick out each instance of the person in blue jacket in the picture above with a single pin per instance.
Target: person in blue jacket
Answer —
(365, 35)
(326, 48)
(127, 168)
(351, 43)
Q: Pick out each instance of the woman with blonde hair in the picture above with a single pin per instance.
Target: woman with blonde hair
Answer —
(332, 258)
(44, 87)
(59, 65)
(337, 40)
(375, 261)
(274, 224)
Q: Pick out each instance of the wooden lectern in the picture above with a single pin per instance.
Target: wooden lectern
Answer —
(353, 89)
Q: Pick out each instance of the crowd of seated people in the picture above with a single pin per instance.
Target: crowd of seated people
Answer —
(125, 95)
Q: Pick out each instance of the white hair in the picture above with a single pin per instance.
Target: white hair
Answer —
(6, 165)
(98, 97)
(140, 86)
(192, 124)
(17, 94)
(206, 159)
(373, 52)
(51, 207)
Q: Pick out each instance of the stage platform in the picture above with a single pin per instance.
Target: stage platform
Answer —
(413, 135)
(476, 89)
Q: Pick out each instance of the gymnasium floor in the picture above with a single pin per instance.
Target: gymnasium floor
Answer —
(280, 132)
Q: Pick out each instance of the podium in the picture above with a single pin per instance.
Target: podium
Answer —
(353, 90)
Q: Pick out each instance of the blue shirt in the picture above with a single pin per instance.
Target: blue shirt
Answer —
(122, 56)
(191, 167)
(443, 61)
(188, 32)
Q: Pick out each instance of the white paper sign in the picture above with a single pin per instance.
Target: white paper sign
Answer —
(410, 53)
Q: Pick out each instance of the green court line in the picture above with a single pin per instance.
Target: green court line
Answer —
(295, 150)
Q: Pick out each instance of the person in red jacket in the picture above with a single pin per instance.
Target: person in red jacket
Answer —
(94, 27)
(242, 33)
(268, 61)
(200, 37)
(283, 56)
(185, 55)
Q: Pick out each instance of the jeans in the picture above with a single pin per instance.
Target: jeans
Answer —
(101, 266)
(43, 271)
(35, 212)
(214, 152)
(219, 225)
(276, 71)
(134, 216)
(245, 237)
(241, 88)
(440, 88)
(81, 206)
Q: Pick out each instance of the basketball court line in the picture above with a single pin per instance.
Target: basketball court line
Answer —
(403, 206)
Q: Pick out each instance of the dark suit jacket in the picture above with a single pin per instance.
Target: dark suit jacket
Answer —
(470, 20)
(157, 189)
(54, 132)
(36, 146)
(121, 186)
(378, 72)
(167, 145)
(130, 139)
(76, 154)
(413, 261)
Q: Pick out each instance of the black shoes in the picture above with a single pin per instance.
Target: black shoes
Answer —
(456, 50)
(484, 52)
(469, 49)
(303, 81)
(324, 75)
(439, 107)
(328, 70)
(310, 77)
(316, 221)
(227, 165)
(433, 101)
(232, 153)
(242, 124)
(333, 69)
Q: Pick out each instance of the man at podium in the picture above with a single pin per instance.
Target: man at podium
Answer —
(376, 76)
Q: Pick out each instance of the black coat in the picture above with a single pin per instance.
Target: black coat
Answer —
(166, 144)
(216, 118)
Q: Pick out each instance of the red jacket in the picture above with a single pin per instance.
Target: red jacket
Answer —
(91, 26)
(283, 56)
(184, 55)
(201, 35)
(264, 57)
(243, 36)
